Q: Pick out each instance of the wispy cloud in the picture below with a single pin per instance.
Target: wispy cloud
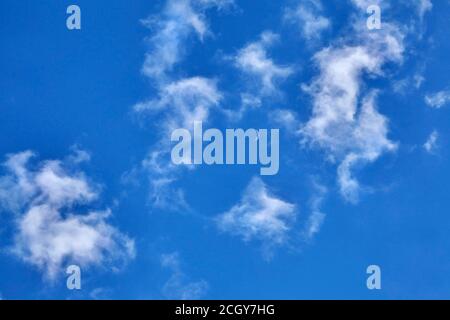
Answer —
(405, 85)
(260, 216)
(179, 102)
(423, 6)
(164, 194)
(438, 99)
(262, 76)
(431, 144)
(100, 294)
(307, 15)
(286, 119)
(178, 21)
(317, 216)
(46, 201)
(178, 286)
(253, 60)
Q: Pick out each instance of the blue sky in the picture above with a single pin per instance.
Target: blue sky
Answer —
(87, 179)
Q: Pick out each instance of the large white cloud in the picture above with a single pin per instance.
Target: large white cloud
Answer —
(345, 122)
(46, 202)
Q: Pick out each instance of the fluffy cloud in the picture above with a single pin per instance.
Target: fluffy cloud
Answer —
(307, 16)
(345, 123)
(438, 99)
(259, 216)
(50, 231)
(178, 286)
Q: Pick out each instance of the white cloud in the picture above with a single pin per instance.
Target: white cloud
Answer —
(78, 155)
(285, 119)
(405, 85)
(259, 216)
(262, 75)
(423, 6)
(163, 175)
(431, 144)
(173, 27)
(419, 79)
(344, 123)
(253, 61)
(164, 195)
(307, 16)
(178, 102)
(178, 286)
(317, 217)
(184, 102)
(438, 99)
(50, 233)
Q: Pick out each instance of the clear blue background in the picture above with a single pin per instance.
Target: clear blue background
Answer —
(61, 87)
